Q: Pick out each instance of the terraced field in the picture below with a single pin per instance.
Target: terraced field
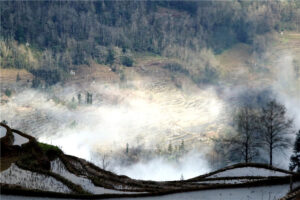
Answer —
(72, 177)
(9, 76)
(165, 111)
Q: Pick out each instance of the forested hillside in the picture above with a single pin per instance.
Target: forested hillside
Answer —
(48, 37)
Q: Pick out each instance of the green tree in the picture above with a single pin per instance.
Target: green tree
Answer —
(295, 158)
(89, 98)
(110, 58)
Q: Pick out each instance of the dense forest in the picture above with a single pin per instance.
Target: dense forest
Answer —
(48, 37)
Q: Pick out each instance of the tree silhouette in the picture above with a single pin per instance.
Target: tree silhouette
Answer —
(295, 158)
(246, 141)
(275, 127)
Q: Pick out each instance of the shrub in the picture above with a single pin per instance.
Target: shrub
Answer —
(35, 82)
(7, 92)
(47, 147)
(176, 67)
(51, 77)
(127, 61)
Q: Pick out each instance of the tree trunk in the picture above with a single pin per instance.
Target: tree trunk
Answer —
(271, 154)
(246, 159)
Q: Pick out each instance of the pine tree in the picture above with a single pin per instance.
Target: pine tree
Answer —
(89, 98)
(295, 158)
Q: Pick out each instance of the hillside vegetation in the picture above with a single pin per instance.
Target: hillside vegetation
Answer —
(47, 38)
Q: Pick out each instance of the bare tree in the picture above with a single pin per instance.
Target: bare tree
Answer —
(275, 127)
(246, 140)
(101, 159)
(104, 161)
(241, 144)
